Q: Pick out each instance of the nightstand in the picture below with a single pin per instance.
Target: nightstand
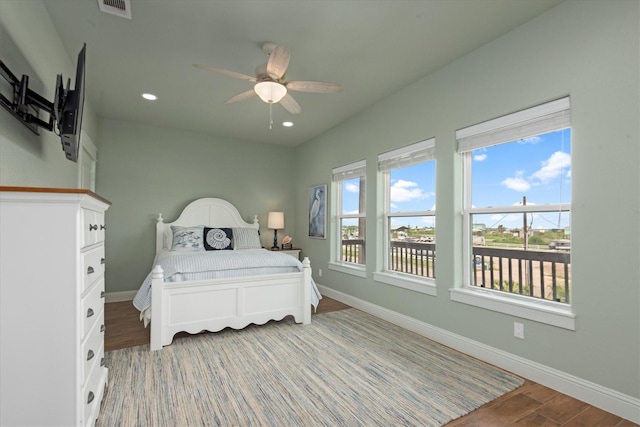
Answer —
(294, 252)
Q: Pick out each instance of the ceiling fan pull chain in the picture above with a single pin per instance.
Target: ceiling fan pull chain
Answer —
(270, 117)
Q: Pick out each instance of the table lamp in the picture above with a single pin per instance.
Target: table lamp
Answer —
(275, 222)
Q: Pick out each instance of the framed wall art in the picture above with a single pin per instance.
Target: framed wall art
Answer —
(318, 211)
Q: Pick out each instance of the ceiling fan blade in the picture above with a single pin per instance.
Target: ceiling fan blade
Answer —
(317, 87)
(225, 72)
(290, 104)
(240, 97)
(278, 62)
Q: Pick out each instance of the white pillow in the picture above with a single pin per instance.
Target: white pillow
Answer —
(188, 238)
(167, 238)
(246, 238)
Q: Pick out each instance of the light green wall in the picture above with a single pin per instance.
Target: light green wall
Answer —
(145, 170)
(30, 45)
(187, 166)
(588, 50)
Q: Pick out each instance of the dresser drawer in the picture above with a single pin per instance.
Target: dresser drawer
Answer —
(92, 306)
(93, 348)
(93, 227)
(92, 266)
(92, 393)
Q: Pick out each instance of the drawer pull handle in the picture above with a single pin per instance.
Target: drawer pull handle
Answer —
(93, 227)
(102, 328)
(90, 355)
(90, 312)
(101, 294)
(102, 260)
(90, 398)
(103, 227)
(102, 362)
(90, 270)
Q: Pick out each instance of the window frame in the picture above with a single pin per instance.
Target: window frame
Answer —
(544, 118)
(410, 155)
(339, 175)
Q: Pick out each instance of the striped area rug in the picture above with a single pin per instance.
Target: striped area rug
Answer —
(347, 368)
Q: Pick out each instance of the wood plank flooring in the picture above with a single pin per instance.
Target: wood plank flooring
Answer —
(528, 406)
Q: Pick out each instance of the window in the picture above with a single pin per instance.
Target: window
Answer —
(517, 206)
(349, 188)
(408, 176)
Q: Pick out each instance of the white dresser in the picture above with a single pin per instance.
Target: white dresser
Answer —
(52, 264)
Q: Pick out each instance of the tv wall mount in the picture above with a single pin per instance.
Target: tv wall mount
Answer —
(25, 104)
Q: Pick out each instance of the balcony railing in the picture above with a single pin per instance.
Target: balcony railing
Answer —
(414, 258)
(353, 251)
(540, 273)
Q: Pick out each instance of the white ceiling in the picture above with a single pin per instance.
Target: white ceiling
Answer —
(371, 47)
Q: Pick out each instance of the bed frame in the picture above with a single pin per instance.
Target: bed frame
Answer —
(213, 305)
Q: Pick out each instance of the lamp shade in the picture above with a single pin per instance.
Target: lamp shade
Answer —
(276, 220)
(270, 92)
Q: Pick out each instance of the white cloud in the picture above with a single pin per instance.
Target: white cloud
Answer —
(517, 183)
(352, 188)
(480, 157)
(406, 191)
(552, 167)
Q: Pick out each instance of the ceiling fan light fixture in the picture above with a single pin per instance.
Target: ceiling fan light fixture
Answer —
(270, 92)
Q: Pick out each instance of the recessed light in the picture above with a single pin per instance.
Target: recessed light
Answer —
(287, 124)
(149, 96)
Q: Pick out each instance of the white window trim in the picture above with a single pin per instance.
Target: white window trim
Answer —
(395, 278)
(340, 174)
(358, 270)
(542, 311)
(409, 155)
(543, 118)
(554, 115)
(413, 154)
(349, 171)
(406, 281)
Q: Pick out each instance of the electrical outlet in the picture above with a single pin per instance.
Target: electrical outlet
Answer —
(319, 272)
(518, 330)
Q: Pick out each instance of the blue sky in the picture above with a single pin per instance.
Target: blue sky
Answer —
(538, 168)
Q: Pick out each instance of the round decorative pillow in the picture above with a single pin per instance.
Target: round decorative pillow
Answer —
(218, 239)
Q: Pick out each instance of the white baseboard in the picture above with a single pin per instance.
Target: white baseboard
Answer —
(609, 400)
(119, 296)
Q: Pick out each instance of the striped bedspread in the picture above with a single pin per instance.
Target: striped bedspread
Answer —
(184, 266)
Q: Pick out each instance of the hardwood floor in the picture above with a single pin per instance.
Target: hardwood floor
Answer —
(530, 405)
(125, 329)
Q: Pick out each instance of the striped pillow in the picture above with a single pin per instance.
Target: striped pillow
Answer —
(246, 238)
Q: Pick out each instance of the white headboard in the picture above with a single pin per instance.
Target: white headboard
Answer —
(209, 212)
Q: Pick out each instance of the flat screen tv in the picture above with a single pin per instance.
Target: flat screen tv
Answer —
(68, 106)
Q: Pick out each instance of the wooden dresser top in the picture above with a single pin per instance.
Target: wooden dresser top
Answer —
(55, 190)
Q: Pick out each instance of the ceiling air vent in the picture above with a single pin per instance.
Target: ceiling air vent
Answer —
(116, 7)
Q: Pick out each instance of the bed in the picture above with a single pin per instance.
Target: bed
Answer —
(184, 292)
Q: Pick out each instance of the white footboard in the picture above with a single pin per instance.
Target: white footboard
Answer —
(213, 305)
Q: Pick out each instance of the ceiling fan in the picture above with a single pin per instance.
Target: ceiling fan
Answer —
(270, 84)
